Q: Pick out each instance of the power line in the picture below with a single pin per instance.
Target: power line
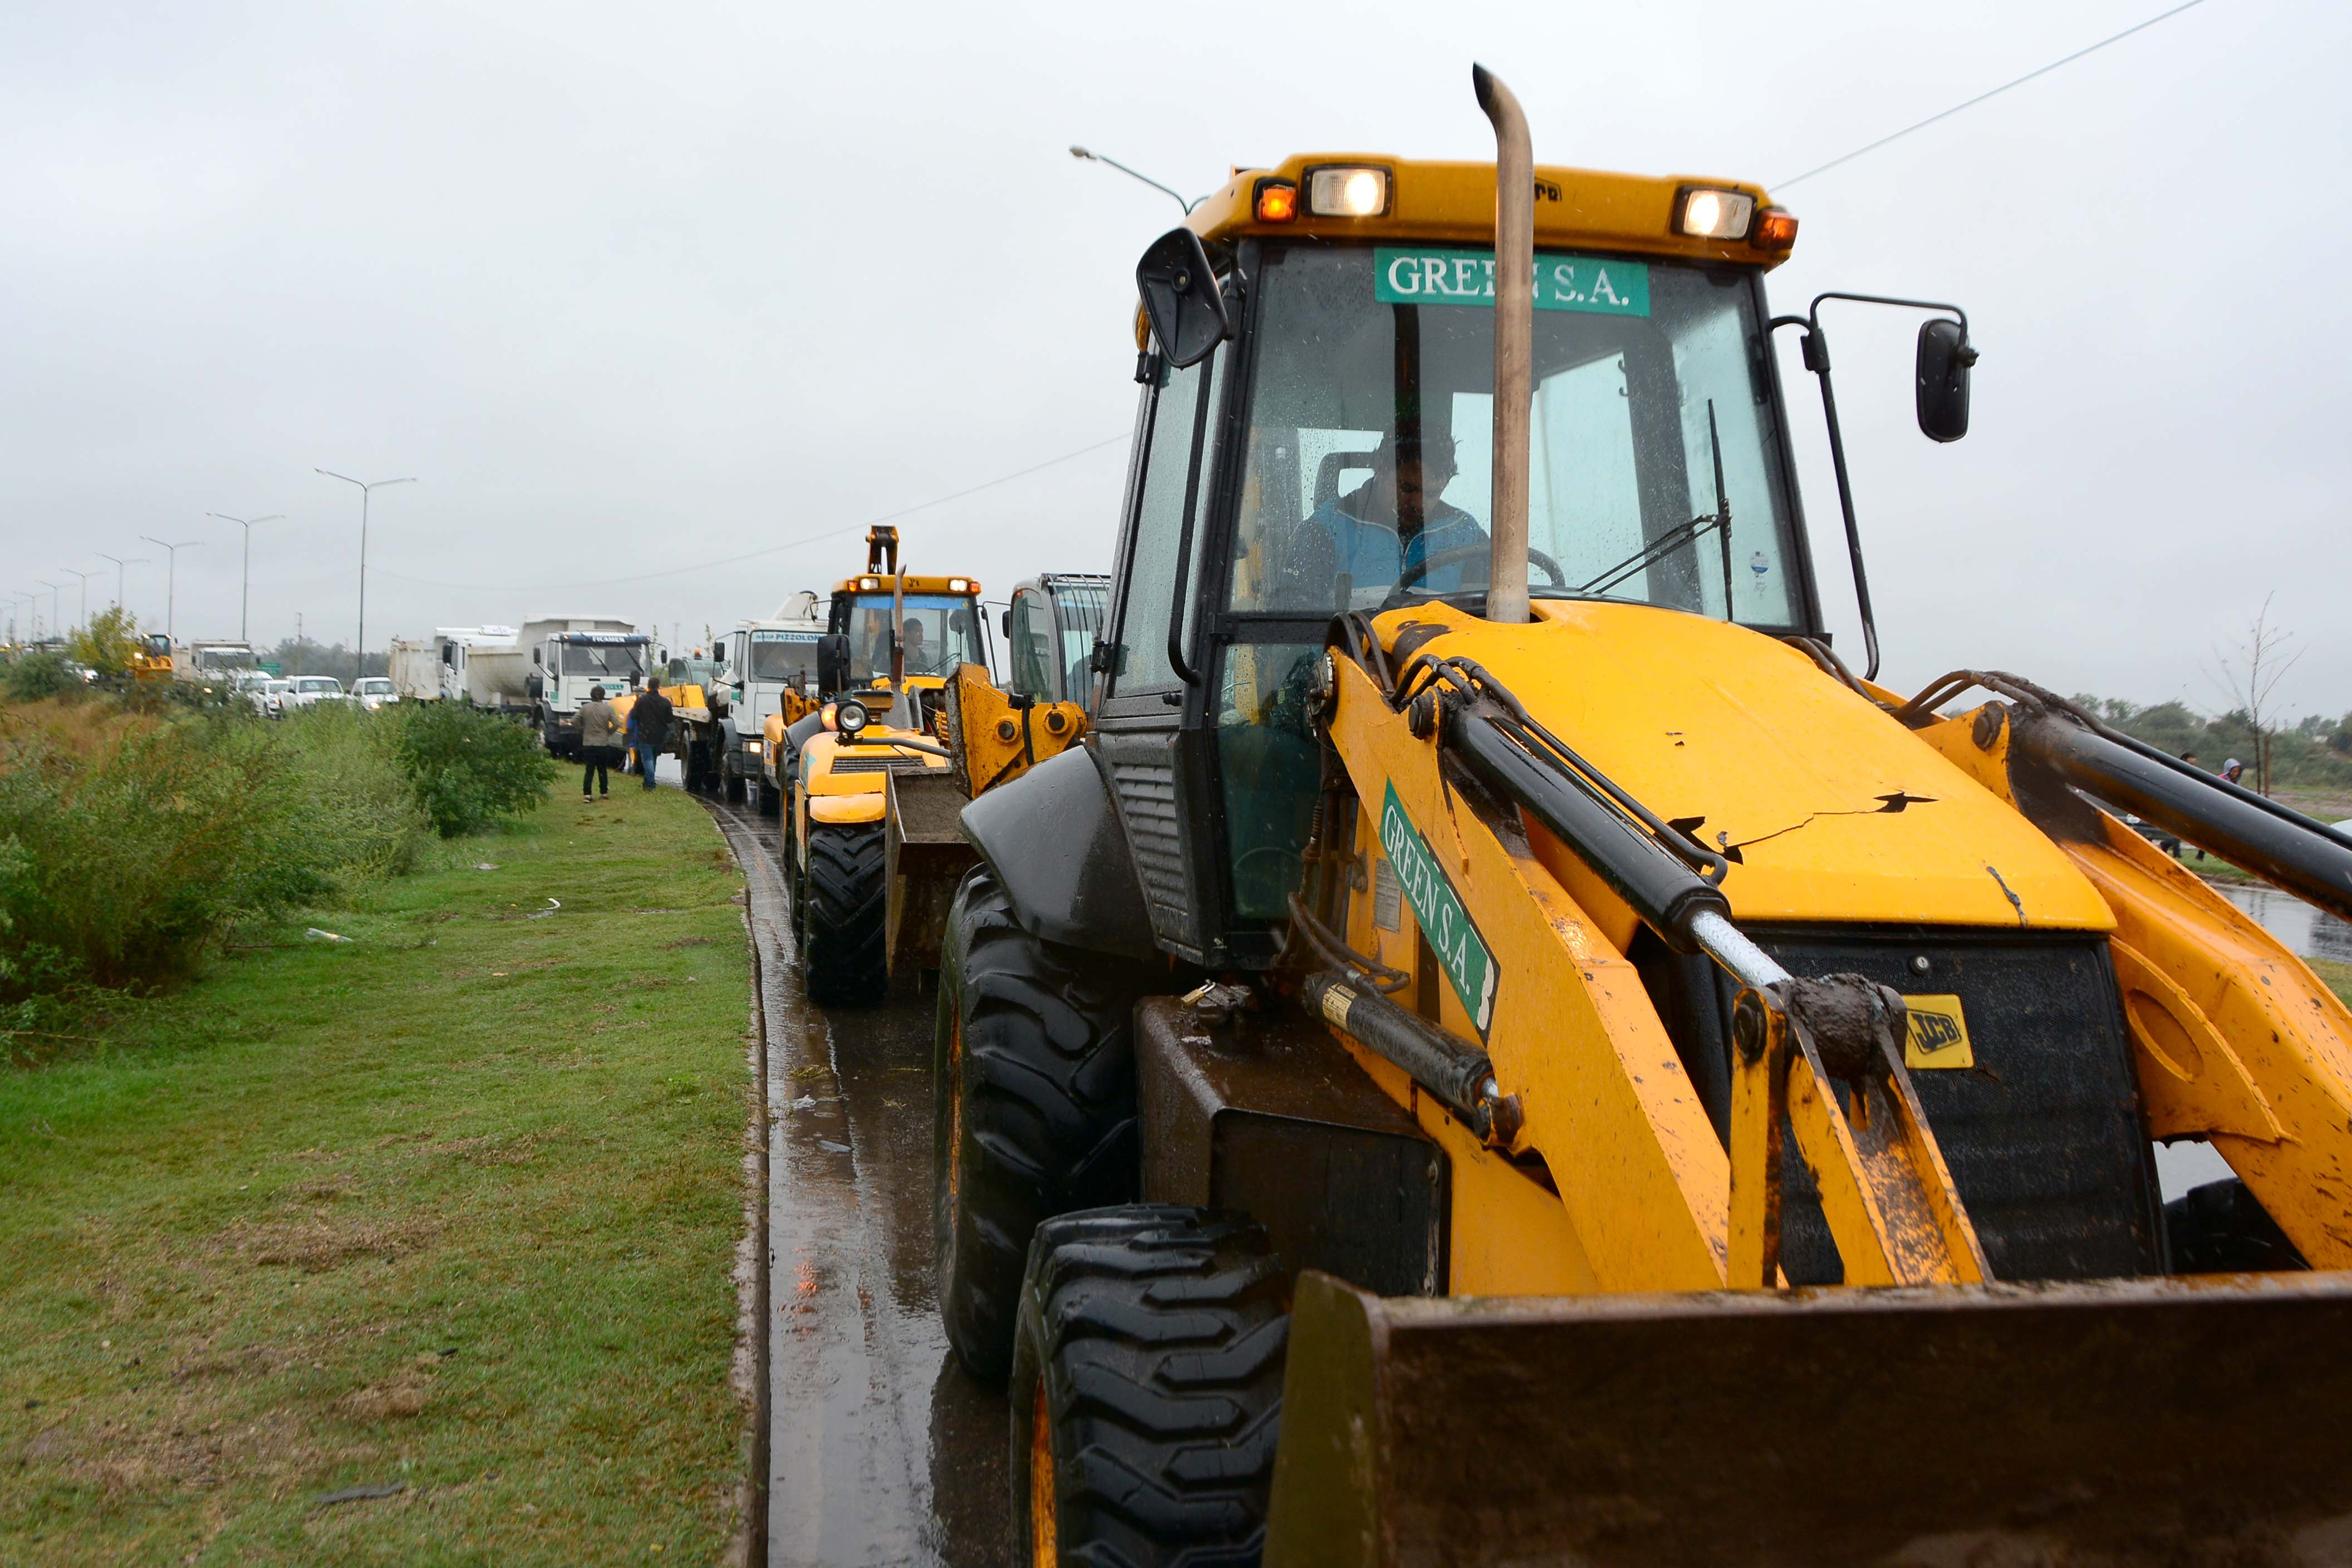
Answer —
(771, 550)
(1996, 92)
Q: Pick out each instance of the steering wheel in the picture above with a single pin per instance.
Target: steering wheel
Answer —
(1454, 557)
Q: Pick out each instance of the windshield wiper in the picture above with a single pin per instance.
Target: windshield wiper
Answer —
(1681, 534)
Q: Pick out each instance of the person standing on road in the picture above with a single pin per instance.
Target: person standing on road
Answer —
(651, 715)
(600, 743)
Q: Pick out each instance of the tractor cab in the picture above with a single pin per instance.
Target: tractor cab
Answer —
(888, 625)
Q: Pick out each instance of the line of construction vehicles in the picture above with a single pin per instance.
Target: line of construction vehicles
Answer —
(1467, 1033)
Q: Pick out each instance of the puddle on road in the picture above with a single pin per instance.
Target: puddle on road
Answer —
(882, 1451)
(2310, 931)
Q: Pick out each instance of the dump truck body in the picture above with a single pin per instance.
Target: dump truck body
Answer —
(1606, 1082)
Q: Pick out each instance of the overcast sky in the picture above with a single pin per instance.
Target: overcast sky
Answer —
(636, 288)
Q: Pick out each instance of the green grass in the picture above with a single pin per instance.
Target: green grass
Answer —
(453, 1204)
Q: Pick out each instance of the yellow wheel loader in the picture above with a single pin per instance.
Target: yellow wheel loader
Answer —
(1501, 1046)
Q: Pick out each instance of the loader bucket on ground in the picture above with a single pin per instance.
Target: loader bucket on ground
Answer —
(2205, 1421)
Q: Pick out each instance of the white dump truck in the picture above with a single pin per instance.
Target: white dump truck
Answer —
(767, 667)
(211, 661)
(483, 665)
(569, 655)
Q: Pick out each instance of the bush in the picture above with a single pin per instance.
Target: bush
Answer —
(352, 796)
(127, 843)
(470, 768)
(36, 676)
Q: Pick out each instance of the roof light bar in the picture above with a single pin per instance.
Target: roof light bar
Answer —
(1705, 214)
(1776, 229)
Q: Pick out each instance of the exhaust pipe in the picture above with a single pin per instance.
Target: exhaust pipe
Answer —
(1515, 291)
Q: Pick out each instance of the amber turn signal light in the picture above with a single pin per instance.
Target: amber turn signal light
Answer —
(1277, 201)
(1776, 229)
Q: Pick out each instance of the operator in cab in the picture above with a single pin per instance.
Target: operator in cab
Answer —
(1394, 520)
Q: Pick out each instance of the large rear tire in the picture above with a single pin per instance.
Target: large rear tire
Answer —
(842, 952)
(1147, 1389)
(733, 788)
(1034, 1108)
(771, 800)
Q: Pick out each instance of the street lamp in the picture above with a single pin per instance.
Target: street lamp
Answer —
(170, 578)
(34, 601)
(53, 589)
(244, 587)
(120, 562)
(367, 487)
(1097, 158)
(85, 577)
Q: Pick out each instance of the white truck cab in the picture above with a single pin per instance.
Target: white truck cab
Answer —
(570, 655)
(771, 668)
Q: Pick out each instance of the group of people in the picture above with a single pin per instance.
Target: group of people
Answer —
(606, 739)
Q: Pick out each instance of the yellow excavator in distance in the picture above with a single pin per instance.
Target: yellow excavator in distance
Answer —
(1500, 1047)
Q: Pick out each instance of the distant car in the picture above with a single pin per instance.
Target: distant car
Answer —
(311, 690)
(2162, 838)
(373, 692)
(268, 698)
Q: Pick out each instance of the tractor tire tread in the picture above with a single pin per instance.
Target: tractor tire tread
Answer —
(844, 961)
(1166, 1414)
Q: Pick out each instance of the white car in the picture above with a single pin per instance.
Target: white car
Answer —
(311, 690)
(373, 692)
(270, 697)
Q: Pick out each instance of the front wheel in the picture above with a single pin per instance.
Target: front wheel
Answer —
(771, 800)
(1146, 1388)
(1034, 1108)
(842, 954)
(733, 788)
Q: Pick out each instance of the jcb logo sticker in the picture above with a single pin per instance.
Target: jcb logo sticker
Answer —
(1940, 1034)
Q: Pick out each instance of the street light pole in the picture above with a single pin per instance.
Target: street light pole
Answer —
(1083, 153)
(120, 562)
(171, 580)
(367, 487)
(245, 589)
(53, 589)
(85, 577)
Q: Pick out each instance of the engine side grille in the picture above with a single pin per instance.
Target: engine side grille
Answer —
(880, 765)
(1147, 798)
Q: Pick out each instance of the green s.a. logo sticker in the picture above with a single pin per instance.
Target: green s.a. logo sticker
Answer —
(1445, 923)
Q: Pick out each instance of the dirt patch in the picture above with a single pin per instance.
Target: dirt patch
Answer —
(689, 941)
(398, 1397)
(489, 1151)
(316, 1243)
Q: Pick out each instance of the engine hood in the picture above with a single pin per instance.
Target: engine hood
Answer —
(1829, 810)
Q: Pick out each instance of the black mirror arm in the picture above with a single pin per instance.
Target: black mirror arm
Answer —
(1176, 662)
(1817, 359)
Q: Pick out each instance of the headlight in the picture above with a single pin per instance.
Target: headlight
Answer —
(850, 717)
(1715, 215)
(1348, 192)
(752, 747)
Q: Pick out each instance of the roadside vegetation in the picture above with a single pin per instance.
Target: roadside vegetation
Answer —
(140, 833)
(407, 1238)
(368, 1120)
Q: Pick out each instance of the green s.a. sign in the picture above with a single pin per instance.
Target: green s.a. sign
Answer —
(1445, 924)
(1434, 275)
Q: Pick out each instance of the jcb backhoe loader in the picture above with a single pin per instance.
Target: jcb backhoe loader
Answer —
(871, 847)
(1457, 1070)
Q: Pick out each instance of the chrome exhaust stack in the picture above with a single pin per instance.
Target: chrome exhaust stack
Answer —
(1515, 289)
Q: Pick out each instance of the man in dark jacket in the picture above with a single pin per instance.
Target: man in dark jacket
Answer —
(652, 716)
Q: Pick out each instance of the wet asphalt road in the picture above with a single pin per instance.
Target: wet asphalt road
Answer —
(881, 1451)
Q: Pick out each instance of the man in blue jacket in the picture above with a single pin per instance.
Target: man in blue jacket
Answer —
(1395, 519)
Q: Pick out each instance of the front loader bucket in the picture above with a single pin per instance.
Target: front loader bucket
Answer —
(2205, 1421)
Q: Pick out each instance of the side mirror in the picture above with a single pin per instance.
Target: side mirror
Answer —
(1181, 298)
(1005, 621)
(1944, 356)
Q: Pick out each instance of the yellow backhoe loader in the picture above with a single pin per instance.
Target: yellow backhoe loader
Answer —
(871, 847)
(1465, 1068)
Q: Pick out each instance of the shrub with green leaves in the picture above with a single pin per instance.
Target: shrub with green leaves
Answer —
(471, 767)
(33, 677)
